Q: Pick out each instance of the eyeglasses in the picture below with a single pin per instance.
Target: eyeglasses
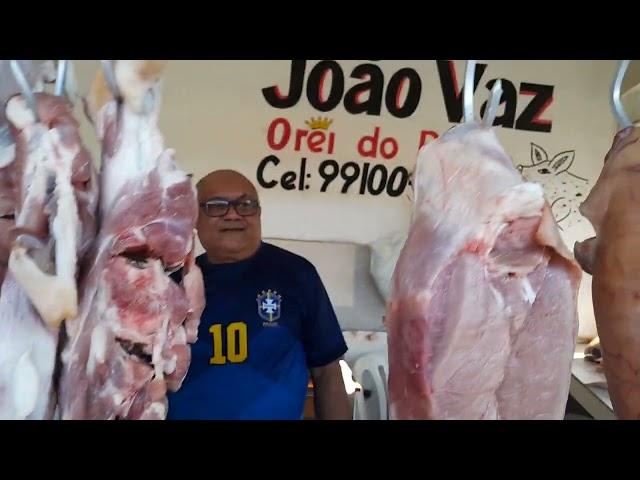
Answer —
(219, 207)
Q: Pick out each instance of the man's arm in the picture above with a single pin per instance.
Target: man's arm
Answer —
(330, 396)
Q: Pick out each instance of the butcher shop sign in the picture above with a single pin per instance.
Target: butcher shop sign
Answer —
(371, 167)
(332, 143)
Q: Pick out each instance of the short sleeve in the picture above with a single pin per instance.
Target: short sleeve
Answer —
(322, 336)
(176, 276)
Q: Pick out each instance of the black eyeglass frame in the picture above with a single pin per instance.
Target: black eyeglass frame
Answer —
(254, 204)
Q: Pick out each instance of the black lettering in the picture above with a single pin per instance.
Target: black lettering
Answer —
(328, 177)
(375, 86)
(392, 97)
(449, 84)
(288, 180)
(260, 173)
(276, 99)
(315, 84)
(303, 173)
(349, 178)
(372, 179)
(363, 178)
(403, 173)
(530, 119)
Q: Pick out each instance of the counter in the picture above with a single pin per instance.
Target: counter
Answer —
(589, 387)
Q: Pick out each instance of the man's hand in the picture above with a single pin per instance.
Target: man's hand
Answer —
(330, 396)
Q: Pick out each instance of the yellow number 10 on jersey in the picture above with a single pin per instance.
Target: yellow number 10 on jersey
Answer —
(236, 344)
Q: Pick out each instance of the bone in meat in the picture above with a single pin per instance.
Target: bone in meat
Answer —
(52, 186)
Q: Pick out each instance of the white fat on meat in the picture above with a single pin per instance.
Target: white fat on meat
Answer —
(7, 154)
(528, 293)
(25, 386)
(19, 113)
(27, 357)
(98, 348)
(142, 147)
(141, 91)
(155, 411)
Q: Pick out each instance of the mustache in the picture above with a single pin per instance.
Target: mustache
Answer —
(232, 224)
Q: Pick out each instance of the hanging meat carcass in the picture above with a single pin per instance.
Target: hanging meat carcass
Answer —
(51, 186)
(36, 73)
(7, 212)
(613, 259)
(129, 343)
(482, 319)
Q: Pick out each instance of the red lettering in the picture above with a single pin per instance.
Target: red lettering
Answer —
(284, 138)
(332, 137)
(394, 148)
(536, 120)
(425, 135)
(314, 146)
(299, 135)
(373, 141)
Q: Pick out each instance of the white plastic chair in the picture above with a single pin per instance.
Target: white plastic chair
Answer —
(371, 372)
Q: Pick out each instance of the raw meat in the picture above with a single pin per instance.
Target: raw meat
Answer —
(129, 343)
(613, 259)
(37, 73)
(482, 319)
(51, 185)
(7, 215)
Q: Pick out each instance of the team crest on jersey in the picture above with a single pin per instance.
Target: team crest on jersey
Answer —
(269, 306)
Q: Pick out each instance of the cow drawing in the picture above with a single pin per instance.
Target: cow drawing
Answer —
(564, 189)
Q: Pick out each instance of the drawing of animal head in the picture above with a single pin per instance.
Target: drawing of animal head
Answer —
(542, 167)
(564, 189)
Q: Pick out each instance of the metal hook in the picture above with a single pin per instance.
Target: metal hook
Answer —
(61, 77)
(24, 86)
(110, 77)
(493, 104)
(618, 109)
(468, 90)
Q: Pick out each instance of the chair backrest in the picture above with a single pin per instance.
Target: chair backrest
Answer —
(344, 270)
(371, 372)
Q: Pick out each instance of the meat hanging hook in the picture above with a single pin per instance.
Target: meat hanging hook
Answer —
(618, 109)
(493, 104)
(61, 77)
(23, 84)
(469, 77)
(110, 77)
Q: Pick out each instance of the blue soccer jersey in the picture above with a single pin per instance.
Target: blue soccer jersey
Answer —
(267, 320)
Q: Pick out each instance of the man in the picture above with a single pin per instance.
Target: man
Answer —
(267, 323)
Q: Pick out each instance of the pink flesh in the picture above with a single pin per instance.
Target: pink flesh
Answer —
(483, 309)
(130, 342)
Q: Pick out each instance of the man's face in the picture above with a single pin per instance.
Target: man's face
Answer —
(229, 218)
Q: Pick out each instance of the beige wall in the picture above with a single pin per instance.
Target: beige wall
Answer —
(632, 78)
